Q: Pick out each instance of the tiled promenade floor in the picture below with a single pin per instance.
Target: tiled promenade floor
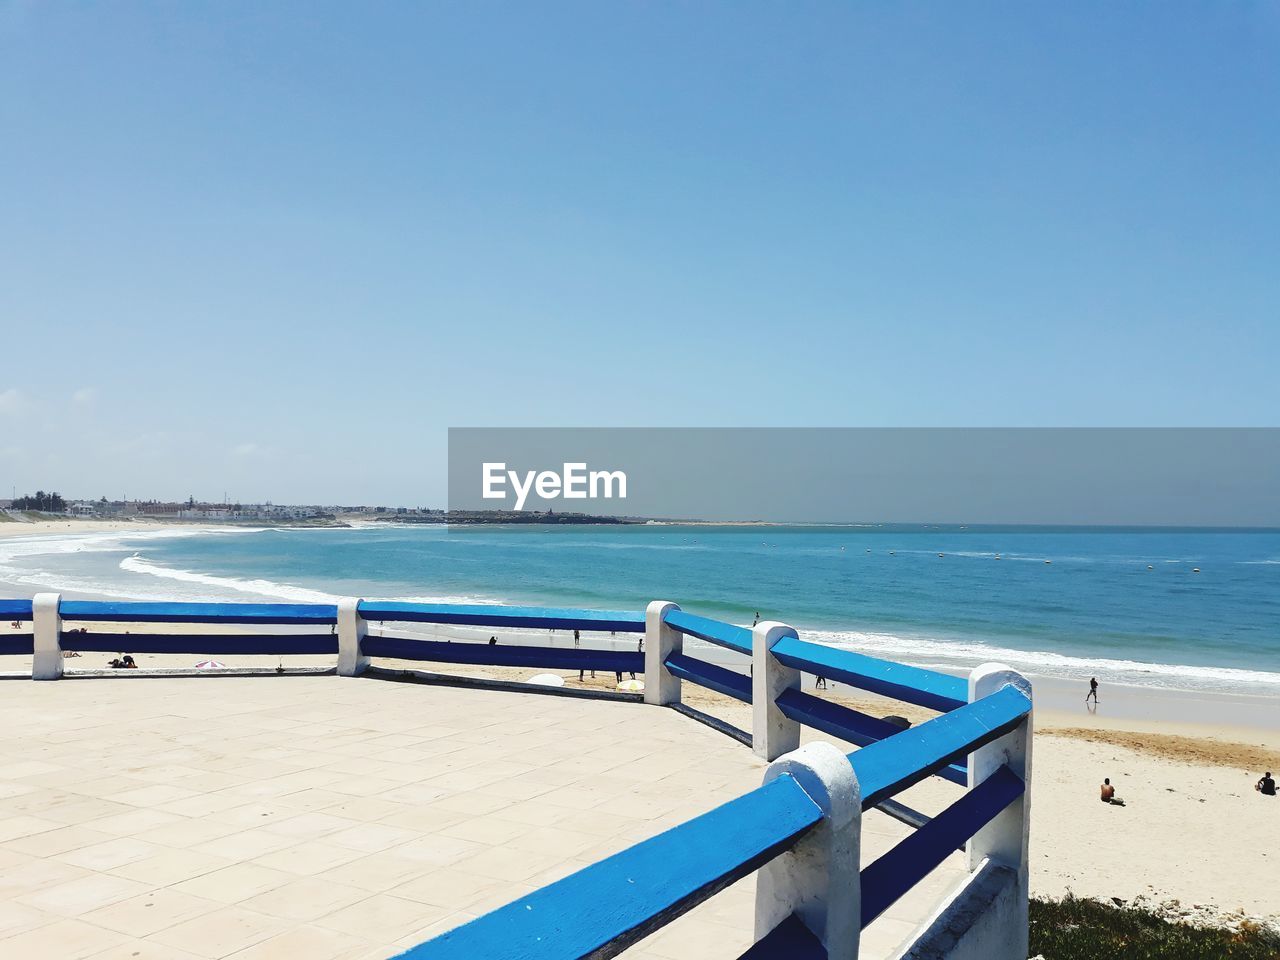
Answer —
(159, 818)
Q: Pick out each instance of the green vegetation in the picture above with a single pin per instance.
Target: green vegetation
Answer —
(1081, 929)
(44, 502)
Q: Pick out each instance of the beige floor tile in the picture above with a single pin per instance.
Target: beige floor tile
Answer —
(437, 850)
(506, 863)
(308, 826)
(487, 830)
(377, 872)
(134, 822)
(50, 843)
(305, 899)
(393, 917)
(65, 940)
(306, 859)
(311, 942)
(132, 949)
(16, 917)
(221, 933)
(110, 853)
(245, 845)
(451, 891)
(150, 912)
(188, 832)
(370, 837)
(171, 866)
(11, 828)
(31, 875)
(77, 897)
(554, 841)
(153, 795)
(235, 883)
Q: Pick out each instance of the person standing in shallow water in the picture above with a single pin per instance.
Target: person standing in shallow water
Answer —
(1093, 690)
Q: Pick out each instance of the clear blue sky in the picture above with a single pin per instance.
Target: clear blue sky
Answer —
(277, 249)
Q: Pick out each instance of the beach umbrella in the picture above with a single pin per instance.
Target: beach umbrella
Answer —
(210, 665)
(632, 686)
(547, 680)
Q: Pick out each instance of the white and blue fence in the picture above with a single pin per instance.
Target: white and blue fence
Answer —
(800, 830)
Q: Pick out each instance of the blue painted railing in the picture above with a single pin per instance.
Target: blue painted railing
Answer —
(713, 631)
(492, 615)
(648, 885)
(635, 892)
(247, 644)
(898, 681)
(262, 613)
(15, 610)
(506, 655)
(655, 881)
(710, 675)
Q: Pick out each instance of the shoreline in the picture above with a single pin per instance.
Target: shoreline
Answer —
(1139, 708)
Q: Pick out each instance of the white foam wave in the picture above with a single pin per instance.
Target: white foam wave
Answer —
(261, 588)
(929, 652)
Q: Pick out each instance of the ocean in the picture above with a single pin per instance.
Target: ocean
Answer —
(1184, 609)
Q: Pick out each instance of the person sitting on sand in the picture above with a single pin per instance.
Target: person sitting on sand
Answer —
(1109, 793)
(128, 663)
(1266, 786)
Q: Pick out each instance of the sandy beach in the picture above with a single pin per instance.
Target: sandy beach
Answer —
(1193, 829)
(37, 528)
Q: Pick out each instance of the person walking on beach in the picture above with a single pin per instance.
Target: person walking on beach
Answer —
(577, 643)
(1093, 690)
(493, 641)
(757, 619)
(1266, 786)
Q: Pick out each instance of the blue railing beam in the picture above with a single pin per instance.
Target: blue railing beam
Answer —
(240, 644)
(848, 724)
(789, 940)
(11, 610)
(886, 880)
(713, 631)
(710, 675)
(260, 613)
(494, 615)
(503, 654)
(925, 688)
(889, 766)
(633, 893)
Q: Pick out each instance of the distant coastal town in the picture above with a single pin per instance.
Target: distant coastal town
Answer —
(43, 505)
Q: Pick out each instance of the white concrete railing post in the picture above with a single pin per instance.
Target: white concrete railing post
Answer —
(46, 637)
(818, 878)
(1005, 839)
(351, 632)
(661, 686)
(772, 733)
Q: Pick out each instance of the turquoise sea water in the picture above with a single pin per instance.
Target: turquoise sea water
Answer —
(1124, 604)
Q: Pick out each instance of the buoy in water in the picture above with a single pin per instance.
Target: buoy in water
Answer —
(1150, 567)
(942, 554)
(1195, 569)
(1048, 561)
